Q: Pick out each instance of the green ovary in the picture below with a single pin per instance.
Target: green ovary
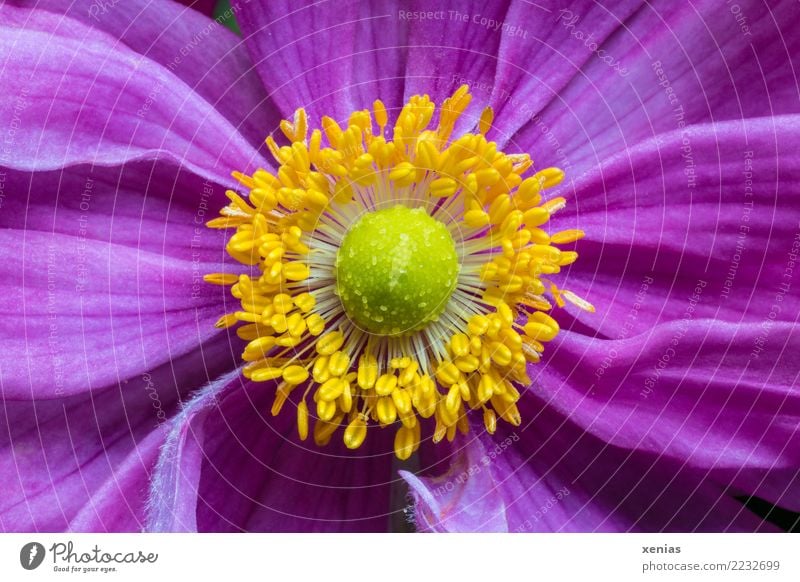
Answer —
(395, 270)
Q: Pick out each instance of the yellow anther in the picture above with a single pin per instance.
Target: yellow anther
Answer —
(296, 325)
(331, 389)
(476, 218)
(545, 319)
(302, 420)
(274, 274)
(295, 375)
(402, 400)
(320, 372)
(439, 432)
(427, 386)
(226, 321)
(511, 223)
(539, 331)
(279, 322)
(385, 384)
(226, 222)
(505, 313)
(511, 338)
(305, 302)
(487, 177)
(399, 363)
(428, 156)
(296, 131)
(549, 177)
(408, 374)
(346, 399)
(500, 208)
(315, 199)
(463, 387)
(567, 236)
(295, 271)
(325, 409)
(478, 325)
(355, 433)
(486, 388)
(467, 364)
(567, 258)
(246, 316)
(330, 343)
(243, 179)
(264, 374)
(281, 395)
(490, 420)
(386, 410)
(367, 372)
(508, 412)
(332, 130)
(536, 216)
(338, 363)
(453, 400)
(529, 192)
(443, 187)
(447, 373)
(459, 345)
(463, 424)
(426, 408)
(258, 348)
(403, 174)
(409, 419)
(315, 324)
(381, 118)
(221, 278)
(485, 123)
(406, 441)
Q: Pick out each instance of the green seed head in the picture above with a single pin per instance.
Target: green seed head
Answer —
(395, 270)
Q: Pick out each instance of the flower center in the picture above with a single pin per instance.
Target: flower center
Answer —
(396, 276)
(395, 270)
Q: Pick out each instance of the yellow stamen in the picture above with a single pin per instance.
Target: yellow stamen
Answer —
(489, 323)
(355, 433)
(302, 420)
(487, 116)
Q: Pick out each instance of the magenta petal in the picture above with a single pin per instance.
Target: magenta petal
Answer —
(684, 64)
(258, 476)
(652, 239)
(541, 51)
(82, 462)
(102, 275)
(150, 206)
(549, 476)
(90, 99)
(217, 68)
(117, 504)
(172, 506)
(465, 498)
(451, 49)
(228, 467)
(331, 57)
(693, 390)
(694, 353)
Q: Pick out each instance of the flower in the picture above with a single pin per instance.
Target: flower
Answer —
(126, 408)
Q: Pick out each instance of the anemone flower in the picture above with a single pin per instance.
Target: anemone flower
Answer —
(502, 267)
